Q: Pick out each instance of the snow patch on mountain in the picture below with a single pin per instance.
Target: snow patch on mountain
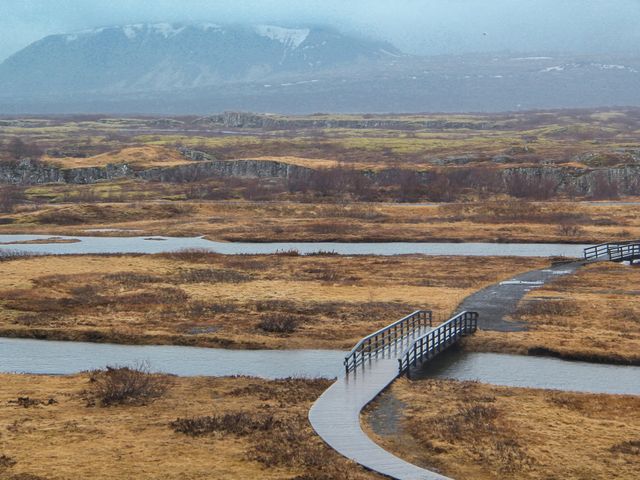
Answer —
(290, 37)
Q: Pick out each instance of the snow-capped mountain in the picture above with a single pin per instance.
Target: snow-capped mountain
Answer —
(163, 56)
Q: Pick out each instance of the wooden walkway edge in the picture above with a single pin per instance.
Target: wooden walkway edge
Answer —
(335, 416)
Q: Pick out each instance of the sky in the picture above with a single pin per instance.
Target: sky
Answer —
(426, 27)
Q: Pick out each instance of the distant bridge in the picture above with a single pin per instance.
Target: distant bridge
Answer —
(614, 252)
(370, 367)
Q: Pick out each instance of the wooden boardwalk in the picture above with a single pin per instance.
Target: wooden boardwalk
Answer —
(335, 416)
(614, 252)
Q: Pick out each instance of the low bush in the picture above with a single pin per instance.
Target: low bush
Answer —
(10, 197)
(27, 402)
(631, 447)
(7, 255)
(567, 229)
(212, 276)
(278, 323)
(6, 462)
(126, 386)
(544, 306)
(132, 279)
(192, 255)
(238, 423)
(61, 217)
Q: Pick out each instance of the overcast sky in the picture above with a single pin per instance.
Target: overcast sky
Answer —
(415, 26)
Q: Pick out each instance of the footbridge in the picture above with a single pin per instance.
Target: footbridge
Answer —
(614, 252)
(370, 367)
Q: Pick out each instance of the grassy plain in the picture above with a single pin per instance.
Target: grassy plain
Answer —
(593, 315)
(468, 430)
(504, 220)
(579, 136)
(66, 439)
(270, 301)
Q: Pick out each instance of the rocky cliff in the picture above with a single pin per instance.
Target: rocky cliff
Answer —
(580, 181)
(274, 122)
(33, 172)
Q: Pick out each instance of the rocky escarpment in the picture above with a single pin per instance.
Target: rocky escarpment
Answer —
(225, 168)
(33, 172)
(577, 181)
(273, 122)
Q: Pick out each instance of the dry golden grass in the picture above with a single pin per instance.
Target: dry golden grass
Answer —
(136, 157)
(468, 430)
(287, 221)
(66, 439)
(592, 315)
(195, 298)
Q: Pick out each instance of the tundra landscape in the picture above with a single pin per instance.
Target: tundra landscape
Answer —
(319, 240)
(544, 177)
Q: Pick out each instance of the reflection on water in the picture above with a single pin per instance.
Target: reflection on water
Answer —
(533, 372)
(52, 357)
(97, 245)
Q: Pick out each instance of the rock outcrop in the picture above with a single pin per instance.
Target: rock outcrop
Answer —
(579, 181)
(274, 122)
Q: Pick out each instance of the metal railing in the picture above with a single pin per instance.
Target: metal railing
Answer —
(625, 252)
(618, 251)
(386, 337)
(433, 342)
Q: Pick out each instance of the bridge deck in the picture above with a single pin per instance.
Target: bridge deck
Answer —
(335, 416)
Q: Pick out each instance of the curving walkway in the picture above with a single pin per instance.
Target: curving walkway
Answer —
(497, 302)
(335, 416)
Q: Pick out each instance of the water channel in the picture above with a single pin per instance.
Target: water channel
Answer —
(156, 244)
(58, 358)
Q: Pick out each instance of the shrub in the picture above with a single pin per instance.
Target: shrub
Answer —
(10, 197)
(568, 229)
(543, 306)
(18, 149)
(192, 255)
(126, 386)
(6, 255)
(61, 217)
(631, 447)
(605, 188)
(239, 423)
(278, 323)
(212, 275)
(27, 402)
(6, 462)
(535, 187)
(330, 228)
(287, 253)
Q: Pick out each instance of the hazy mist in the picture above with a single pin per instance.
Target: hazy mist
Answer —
(415, 26)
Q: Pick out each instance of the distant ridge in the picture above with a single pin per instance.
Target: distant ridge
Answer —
(169, 56)
(204, 68)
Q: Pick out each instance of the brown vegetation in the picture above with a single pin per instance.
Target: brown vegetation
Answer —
(506, 220)
(468, 430)
(258, 301)
(134, 385)
(201, 428)
(593, 315)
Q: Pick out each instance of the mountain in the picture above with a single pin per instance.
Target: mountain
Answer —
(166, 57)
(205, 68)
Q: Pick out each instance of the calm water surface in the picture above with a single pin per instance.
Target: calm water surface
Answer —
(534, 372)
(52, 357)
(97, 245)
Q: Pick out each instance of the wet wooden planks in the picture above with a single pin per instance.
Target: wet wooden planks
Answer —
(335, 416)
